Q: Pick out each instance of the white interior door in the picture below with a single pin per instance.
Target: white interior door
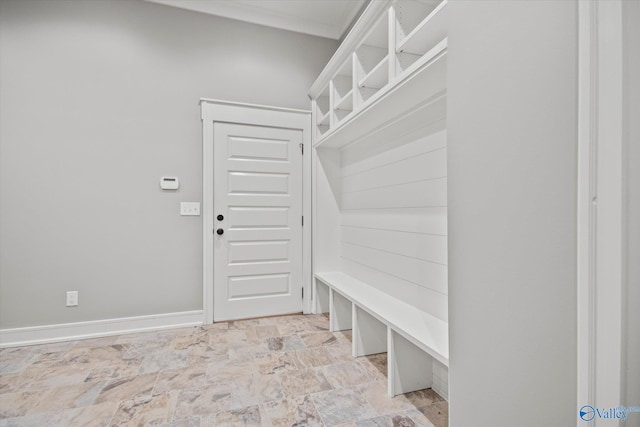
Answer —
(257, 204)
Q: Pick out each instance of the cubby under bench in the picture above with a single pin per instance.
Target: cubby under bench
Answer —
(382, 323)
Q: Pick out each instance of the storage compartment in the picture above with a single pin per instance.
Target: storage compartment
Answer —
(322, 297)
(388, 45)
(342, 94)
(340, 312)
(420, 28)
(323, 112)
(372, 61)
(369, 334)
(410, 14)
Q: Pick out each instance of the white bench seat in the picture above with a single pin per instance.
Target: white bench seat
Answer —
(424, 331)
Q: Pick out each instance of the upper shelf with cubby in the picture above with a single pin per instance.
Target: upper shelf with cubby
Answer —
(392, 42)
(322, 112)
(371, 58)
(342, 92)
(417, 37)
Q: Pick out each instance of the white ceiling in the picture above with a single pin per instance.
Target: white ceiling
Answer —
(324, 18)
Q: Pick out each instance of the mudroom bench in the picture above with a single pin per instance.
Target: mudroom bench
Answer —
(381, 323)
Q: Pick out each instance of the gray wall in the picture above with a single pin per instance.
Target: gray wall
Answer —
(632, 92)
(512, 123)
(99, 99)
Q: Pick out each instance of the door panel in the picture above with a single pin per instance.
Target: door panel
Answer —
(258, 149)
(255, 286)
(258, 190)
(263, 217)
(247, 183)
(257, 251)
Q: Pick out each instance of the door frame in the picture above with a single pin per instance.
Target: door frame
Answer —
(601, 201)
(216, 110)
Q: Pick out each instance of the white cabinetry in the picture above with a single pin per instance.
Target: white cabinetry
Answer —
(380, 188)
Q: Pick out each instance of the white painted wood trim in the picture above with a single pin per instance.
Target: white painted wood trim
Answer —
(392, 42)
(315, 292)
(391, 363)
(98, 328)
(261, 115)
(321, 297)
(587, 72)
(307, 197)
(256, 106)
(207, 214)
(340, 317)
(331, 311)
(440, 379)
(601, 197)
(356, 343)
(609, 237)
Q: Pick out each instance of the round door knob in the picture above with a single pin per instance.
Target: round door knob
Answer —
(220, 217)
(220, 231)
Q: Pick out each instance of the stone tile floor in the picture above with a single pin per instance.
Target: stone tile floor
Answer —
(280, 371)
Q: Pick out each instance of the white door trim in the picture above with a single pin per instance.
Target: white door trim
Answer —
(601, 234)
(587, 72)
(214, 110)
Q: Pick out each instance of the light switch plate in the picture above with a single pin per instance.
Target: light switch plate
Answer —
(190, 208)
(72, 298)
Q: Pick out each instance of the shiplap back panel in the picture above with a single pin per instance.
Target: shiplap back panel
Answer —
(394, 218)
(327, 218)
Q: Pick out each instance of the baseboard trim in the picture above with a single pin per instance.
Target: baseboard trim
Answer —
(98, 328)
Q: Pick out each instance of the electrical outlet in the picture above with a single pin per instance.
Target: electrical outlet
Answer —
(190, 208)
(72, 298)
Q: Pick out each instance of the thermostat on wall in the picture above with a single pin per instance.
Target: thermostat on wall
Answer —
(169, 183)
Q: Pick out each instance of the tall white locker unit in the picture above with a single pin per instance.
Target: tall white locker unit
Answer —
(380, 190)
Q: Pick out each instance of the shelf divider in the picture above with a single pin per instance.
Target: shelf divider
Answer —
(346, 102)
(428, 33)
(377, 77)
(324, 120)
